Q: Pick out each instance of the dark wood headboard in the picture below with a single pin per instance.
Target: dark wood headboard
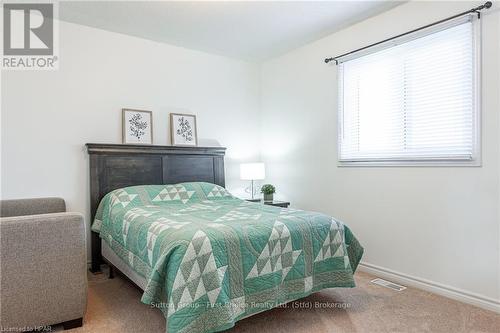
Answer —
(114, 166)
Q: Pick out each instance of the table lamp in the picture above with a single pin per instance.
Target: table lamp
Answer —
(252, 171)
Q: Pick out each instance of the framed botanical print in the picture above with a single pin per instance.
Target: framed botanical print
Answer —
(183, 129)
(137, 126)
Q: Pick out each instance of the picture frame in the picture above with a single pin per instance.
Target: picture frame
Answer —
(183, 130)
(137, 126)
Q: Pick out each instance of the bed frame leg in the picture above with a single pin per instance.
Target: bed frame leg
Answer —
(96, 253)
(111, 271)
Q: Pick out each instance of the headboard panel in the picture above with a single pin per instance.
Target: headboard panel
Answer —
(114, 166)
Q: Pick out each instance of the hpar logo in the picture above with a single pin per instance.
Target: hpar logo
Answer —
(29, 31)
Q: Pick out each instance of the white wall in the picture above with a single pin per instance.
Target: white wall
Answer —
(438, 224)
(48, 116)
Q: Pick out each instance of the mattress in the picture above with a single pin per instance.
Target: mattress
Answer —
(207, 259)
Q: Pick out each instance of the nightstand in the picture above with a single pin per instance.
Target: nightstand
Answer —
(283, 204)
(275, 203)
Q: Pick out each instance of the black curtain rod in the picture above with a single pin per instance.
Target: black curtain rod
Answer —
(473, 10)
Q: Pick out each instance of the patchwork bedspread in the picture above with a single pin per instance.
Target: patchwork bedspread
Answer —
(211, 259)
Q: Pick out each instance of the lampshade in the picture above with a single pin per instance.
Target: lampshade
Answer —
(252, 171)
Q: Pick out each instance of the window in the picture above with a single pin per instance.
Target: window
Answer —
(414, 101)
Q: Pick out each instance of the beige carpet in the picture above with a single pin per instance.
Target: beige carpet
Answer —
(114, 306)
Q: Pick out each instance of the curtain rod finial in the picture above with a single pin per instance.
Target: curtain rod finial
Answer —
(488, 4)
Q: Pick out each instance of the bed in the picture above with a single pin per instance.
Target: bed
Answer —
(205, 258)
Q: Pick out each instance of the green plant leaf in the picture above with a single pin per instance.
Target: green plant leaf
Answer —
(267, 189)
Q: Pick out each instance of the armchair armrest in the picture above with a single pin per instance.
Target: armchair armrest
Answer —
(19, 207)
(43, 265)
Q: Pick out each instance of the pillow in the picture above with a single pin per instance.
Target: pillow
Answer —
(177, 193)
(213, 191)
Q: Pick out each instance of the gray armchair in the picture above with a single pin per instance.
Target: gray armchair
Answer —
(43, 278)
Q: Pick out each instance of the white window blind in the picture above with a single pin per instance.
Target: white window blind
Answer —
(412, 100)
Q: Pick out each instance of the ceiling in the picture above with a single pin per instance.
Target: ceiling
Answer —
(250, 31)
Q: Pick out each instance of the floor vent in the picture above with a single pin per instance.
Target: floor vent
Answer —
(388, 284)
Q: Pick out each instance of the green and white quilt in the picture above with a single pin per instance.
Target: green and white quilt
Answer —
(211, 259)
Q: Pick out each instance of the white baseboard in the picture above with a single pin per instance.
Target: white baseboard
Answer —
(436, 288)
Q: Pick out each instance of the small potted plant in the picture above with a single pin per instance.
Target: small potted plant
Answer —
(268, 191)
